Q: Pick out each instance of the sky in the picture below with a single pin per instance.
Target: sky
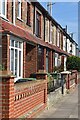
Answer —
(66, 13)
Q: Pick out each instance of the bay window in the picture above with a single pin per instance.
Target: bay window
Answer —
(16, 58)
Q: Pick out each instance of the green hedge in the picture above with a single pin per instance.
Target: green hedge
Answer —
(73, 63)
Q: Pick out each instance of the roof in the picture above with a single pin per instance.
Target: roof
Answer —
(15, 30)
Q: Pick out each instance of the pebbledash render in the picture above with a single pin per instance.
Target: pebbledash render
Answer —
(31, 39)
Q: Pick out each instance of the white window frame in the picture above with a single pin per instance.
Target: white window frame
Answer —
(19, 49)
(1, 13)
(19, 10)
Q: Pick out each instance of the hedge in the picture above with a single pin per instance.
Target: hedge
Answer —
(73, 63)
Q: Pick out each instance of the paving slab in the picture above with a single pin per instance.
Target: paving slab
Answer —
(66, 107)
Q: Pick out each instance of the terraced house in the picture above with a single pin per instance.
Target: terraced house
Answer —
(31, 39)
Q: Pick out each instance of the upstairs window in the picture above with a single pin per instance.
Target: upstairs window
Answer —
(38, 24)
(3, 4)
(19, 9)
(28, 14)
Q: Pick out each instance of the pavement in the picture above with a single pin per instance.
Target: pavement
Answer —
(66, 107)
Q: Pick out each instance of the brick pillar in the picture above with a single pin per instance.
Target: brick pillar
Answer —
(45, 94)
(76, 78)
(50, 61)
(68, 84)
(41, 75)
(45, 59)
(7, 85)
(5, 51)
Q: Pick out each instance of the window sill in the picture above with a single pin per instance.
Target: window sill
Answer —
(20, 19)
(28, 24)
(3, 17)
(38, 36)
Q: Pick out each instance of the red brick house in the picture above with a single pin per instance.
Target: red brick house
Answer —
(30, 38)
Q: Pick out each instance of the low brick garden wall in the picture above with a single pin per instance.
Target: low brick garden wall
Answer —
(72, 79)
(71, 82)
(22, 100)
(30, 99)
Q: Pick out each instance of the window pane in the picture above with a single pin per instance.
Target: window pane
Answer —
(19, 9)
(40, 58)
(16, 43)
(38, 24)
(3, 7)
(19, 63)
(12, 43)
(16, 61)
(20, 44)
(12, 60)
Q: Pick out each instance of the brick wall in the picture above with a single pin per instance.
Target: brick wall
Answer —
(5, 51)
(7, 85)
(30, 60)
(29, 98)
(20, 102)
(22, 22)
(72, 79)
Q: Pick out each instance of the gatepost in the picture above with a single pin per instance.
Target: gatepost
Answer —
(7, 84)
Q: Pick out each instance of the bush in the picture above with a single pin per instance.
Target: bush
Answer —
(59, 68)
(50, 78)
(2, 67)
(73, 63)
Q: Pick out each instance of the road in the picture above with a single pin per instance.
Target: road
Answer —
(66, 107)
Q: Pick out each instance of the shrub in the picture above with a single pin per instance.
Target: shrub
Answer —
(50, 78)
(59, 68)
(2, 67)
(73, 63)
